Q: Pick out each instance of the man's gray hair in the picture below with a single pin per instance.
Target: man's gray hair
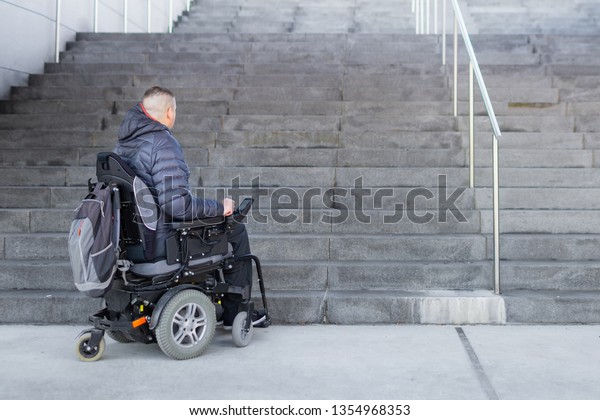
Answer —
(157, 90)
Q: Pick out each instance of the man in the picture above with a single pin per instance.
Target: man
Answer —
(147, 145)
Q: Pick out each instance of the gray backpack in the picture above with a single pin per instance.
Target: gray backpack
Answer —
(92, 243)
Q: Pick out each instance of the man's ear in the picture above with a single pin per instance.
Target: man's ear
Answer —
(171, 115)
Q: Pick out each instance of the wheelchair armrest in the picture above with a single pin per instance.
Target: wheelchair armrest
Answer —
(197, 223)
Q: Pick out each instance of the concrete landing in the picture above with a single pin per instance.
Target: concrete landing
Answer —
(393, 362)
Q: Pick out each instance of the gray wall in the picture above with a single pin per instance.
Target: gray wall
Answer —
(27, 30)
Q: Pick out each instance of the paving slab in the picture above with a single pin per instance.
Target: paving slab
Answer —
(324, 362)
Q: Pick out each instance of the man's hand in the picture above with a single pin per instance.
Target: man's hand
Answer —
(228, 207)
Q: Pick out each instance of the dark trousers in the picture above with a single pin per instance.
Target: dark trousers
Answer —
(240, 274)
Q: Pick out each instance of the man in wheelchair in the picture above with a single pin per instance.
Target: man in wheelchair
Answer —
(181, 251)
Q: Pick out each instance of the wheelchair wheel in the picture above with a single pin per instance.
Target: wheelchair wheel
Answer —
(87, 353)
(241, 335)
(187, 325)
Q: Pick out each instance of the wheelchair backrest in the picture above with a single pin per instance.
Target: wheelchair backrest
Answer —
(139, 212)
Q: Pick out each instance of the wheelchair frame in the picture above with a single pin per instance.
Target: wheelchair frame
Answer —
(137, 306)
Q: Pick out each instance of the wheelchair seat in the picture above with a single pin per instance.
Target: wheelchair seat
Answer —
(198, 244)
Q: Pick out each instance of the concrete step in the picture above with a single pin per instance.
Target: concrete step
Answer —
(299, 247)
(339, 220)
(570, 70)
(545, 140)
(577, 95)
(349, 307)
(510, 123)
(576, 82)
(544, 222)
(195, 94)
(41, 197)
(340, 157)
(43, 176)
(431, 307)
(514, 94)
(147, 69)
(279, 104)
(115, 79)
(549, 276)
(508, 81)
(246, 43)
(343, 307)
(327, 177)
(395, 55)
(551, 307)
(541, 198)
(530, 158)
(542, 177)
(333, 139)
(286, 198)
(287, 275)
(541, 247)
(367, 221)
(357, 100)
(392, 177)
(194, 122)
(167, 45)
(480, 198)
(171, 69)
(582, 108)
(50, 122)
(56, 138)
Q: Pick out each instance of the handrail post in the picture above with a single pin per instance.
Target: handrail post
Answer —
(435, 17)
(149, 17)
(427, 16)
(423, 16)
(124, 16)
(471, 130)
(455, 45)
(170, 16)
(418, 17)
(57, 33)
(444, 33)
(95, 16)
(496, 194)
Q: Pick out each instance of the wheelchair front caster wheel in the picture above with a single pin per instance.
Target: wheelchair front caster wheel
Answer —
(89, 353)
(241, 335)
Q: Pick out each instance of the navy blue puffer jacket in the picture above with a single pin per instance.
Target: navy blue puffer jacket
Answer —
(150, 149)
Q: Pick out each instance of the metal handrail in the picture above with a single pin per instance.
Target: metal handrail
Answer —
(170, 13)
(422, 19)
(484, 92)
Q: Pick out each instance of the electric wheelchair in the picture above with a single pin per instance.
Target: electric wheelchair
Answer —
(175, 300)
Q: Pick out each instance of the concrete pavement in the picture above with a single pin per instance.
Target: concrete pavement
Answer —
(314, 362)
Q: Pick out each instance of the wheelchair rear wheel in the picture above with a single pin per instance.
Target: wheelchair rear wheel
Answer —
(187, 325)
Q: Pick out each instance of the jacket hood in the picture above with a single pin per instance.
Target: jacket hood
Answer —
(137, 123)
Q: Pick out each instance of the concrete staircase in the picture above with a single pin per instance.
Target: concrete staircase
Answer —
(271, 105)
(551, 17)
